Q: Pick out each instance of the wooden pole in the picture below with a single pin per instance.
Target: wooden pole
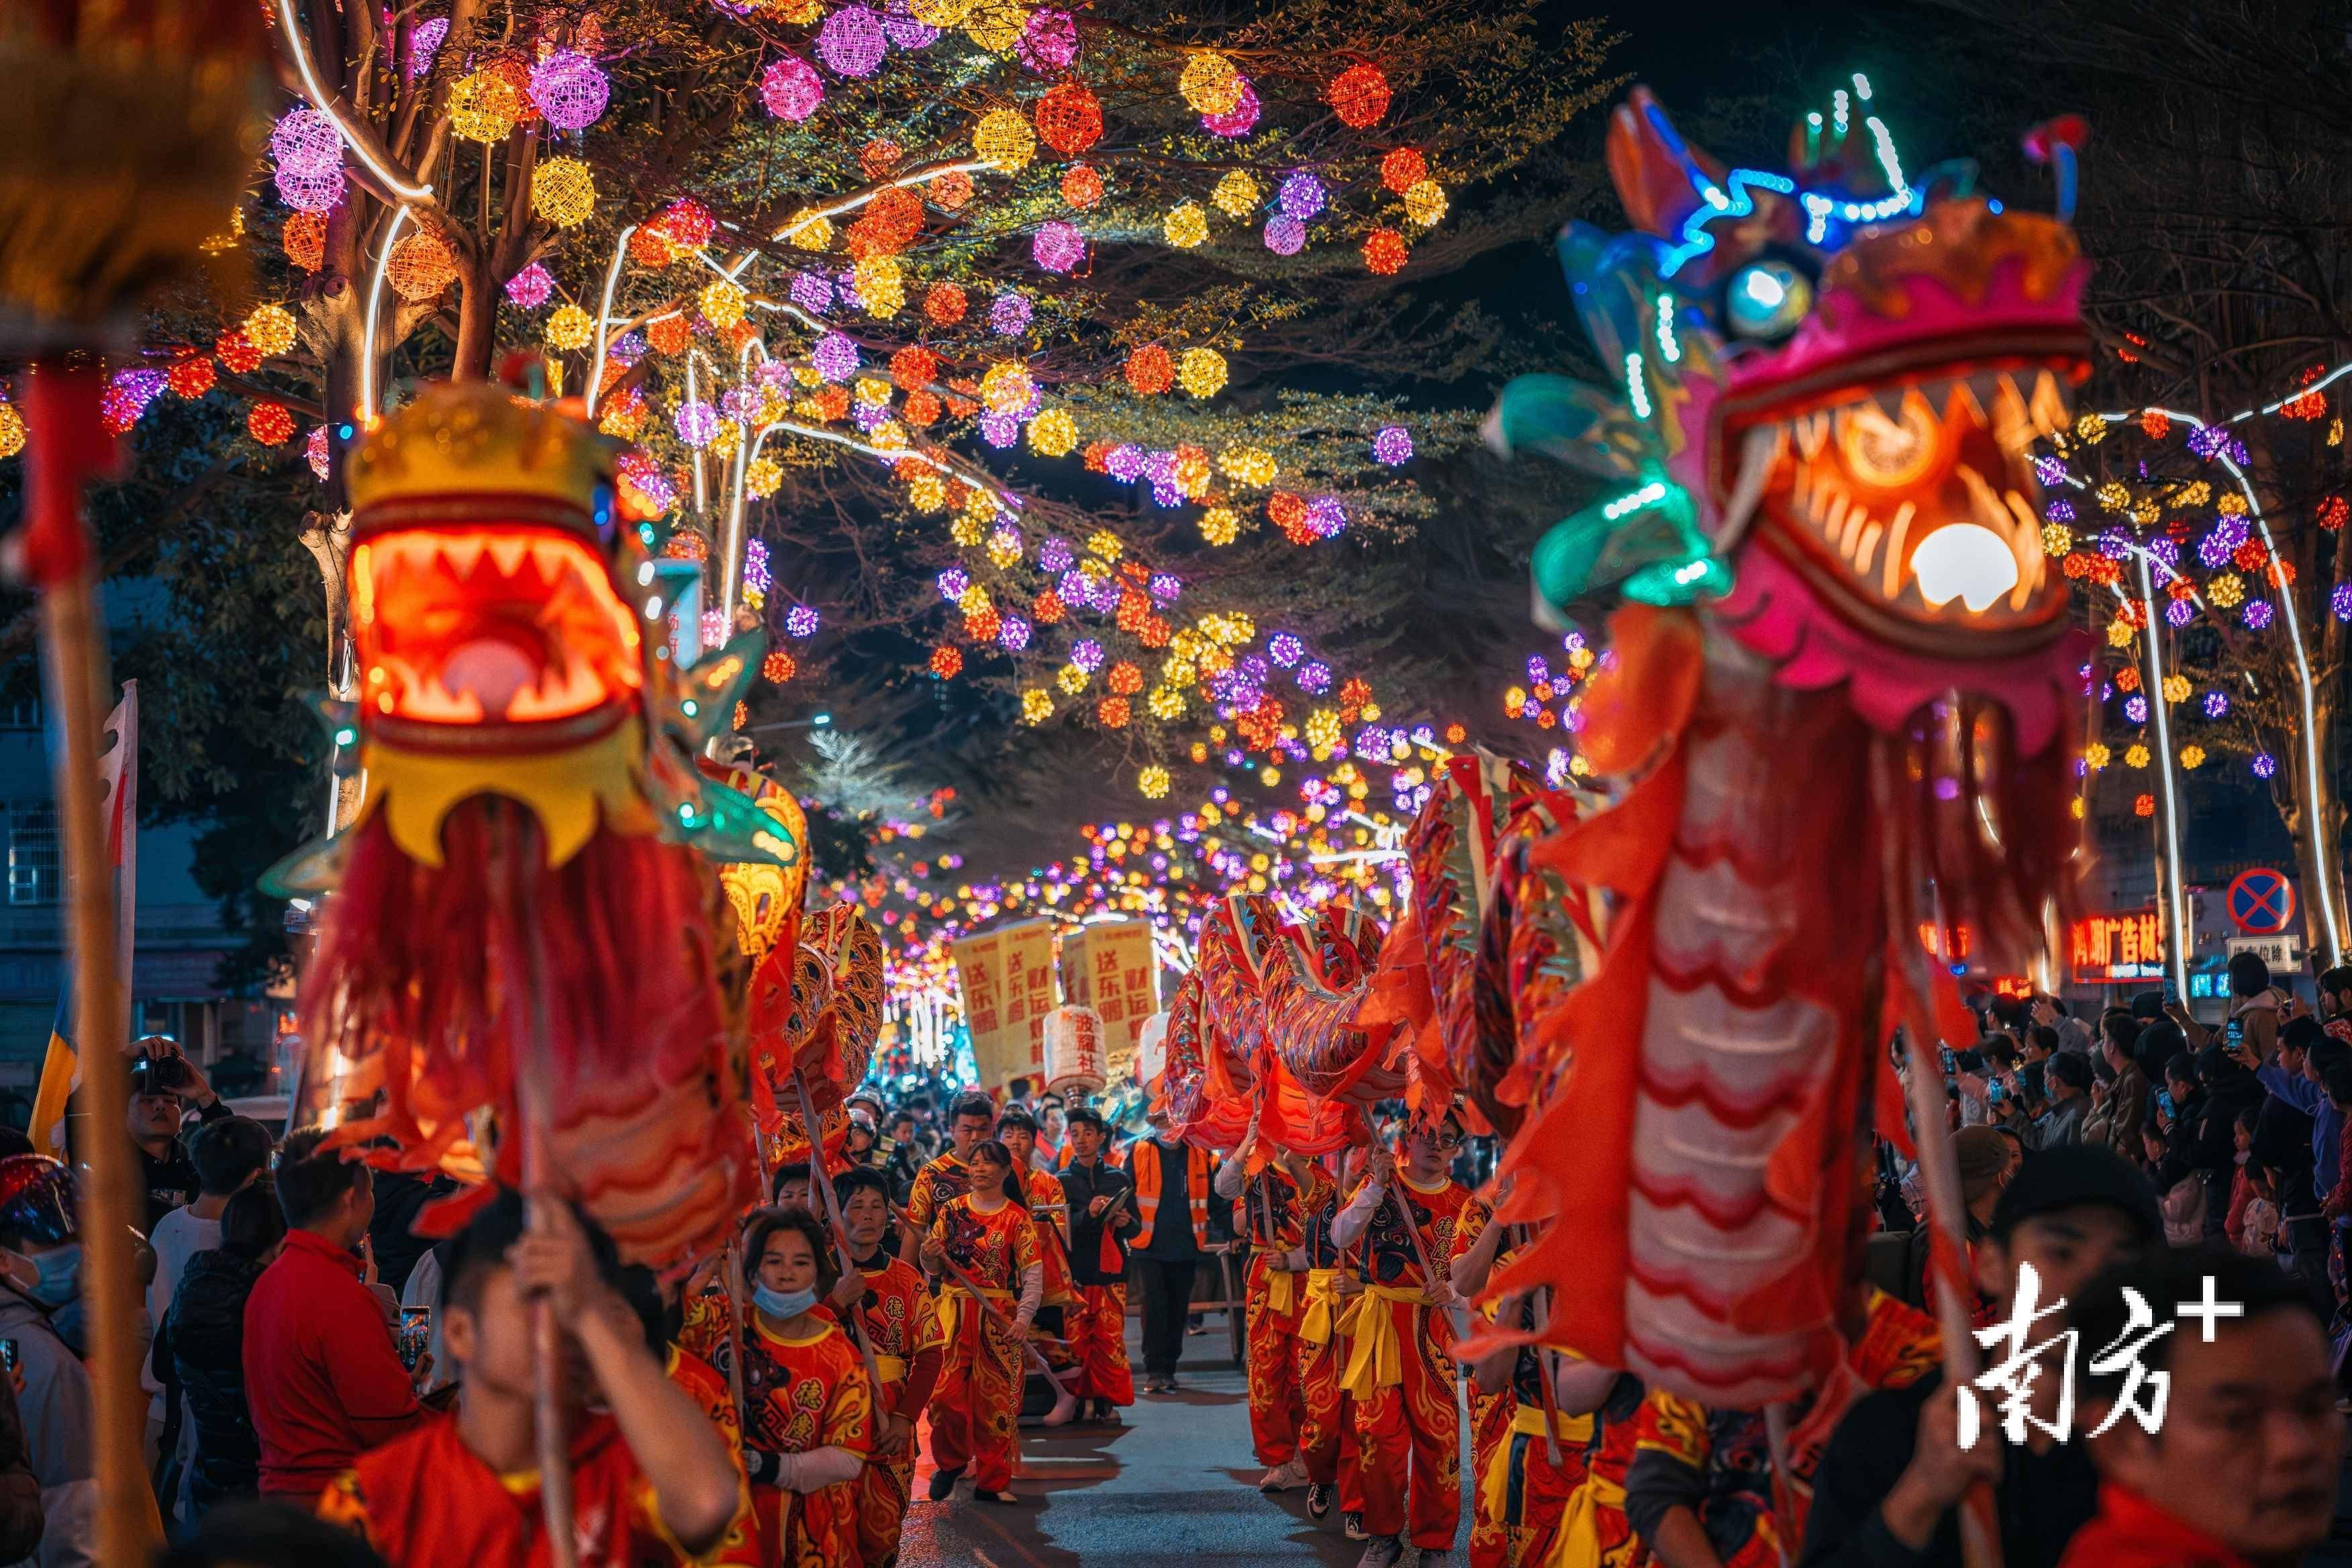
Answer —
(824, 1182)
(72, 659)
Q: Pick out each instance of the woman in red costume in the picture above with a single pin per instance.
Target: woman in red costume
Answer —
(985, 1246)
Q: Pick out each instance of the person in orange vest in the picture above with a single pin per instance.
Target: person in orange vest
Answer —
(1171, 1200)
(1270, 1205)
(1398, 1371)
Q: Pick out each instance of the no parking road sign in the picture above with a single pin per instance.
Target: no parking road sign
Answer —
(2262, 902)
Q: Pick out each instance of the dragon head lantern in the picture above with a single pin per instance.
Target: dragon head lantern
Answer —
(522, 946)
(1834, 702)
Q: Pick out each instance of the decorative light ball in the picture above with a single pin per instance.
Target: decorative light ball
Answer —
(1285, 235)
(2144, 805)
(1186, 226)
(1069, 118)
(808, 230)
(951, 191)
(304, 238)
(1049, 42)
(1359, 96)
(1203, 372)
(1054, 434)
(2097, 756)
(1401, 168)
(237, 352)
(1237, 122)
(484, 106)
(800, 621)
(1209, 83)
(310, 190)
(569, 328)
(1009, 314)
(778, 667)
(835, 357)
(2257, 613)
(315, 453)
(1302, 195)
(2192, 755)
(563, 192)
(1004, 139)
(851, 43)
(696, 422)
(1113, 712)
(1036, 705)
(421, 267)
(2176, 688)
(269, 423)
(530, 287)
(1082, 186)
(270, 328)
(190, 377)
(945, 303)
(667, 335)
(1221, 525)
(792, 88)
(570, 88)
(1424, 203)
(1252, 466)
(996, 25)
(1236, 194)
(881, 286)
(947, 661)
(2263, 765)
(1151, 371)
(1059, 247)
(1384, 251)
(12, 430)
(1393, 445)
(1086, 654)
(726, 440)
(1154, 782)
(307, 139)
(1006, 387)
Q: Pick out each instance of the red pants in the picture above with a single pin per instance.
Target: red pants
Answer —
(1276, 1407)
(884, 1487)
(1326, 1427)
(1523, 1497)
(1411, 1431)
(978, 1394)
(1490, 1425)
(1095, 1326)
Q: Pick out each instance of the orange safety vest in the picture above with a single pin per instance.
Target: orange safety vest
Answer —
(1146, 1175)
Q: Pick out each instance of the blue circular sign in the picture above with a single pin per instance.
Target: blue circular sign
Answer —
(2262, 902)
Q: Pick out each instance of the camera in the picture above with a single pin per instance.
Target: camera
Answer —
(158, 1075)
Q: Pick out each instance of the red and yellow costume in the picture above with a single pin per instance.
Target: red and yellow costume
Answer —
(1398, 1372)
(427, 1499)
(942, 1178)
(1594, 1523)
(1094, 1322)
(1326, 1428)
(1047, 1204)
(979, 1391)
(704, 1384)
(1272, 1213)
(902, 1329)
(805, 1393)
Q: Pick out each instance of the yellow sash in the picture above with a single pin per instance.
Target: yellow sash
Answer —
(890, 1368)
(1281, 1291)
(1376, 1351)
(1527, 1421)
(954, 1297)
(1578, 1542)
(1321, 1319)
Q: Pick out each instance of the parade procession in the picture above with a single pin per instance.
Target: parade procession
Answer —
(887, 783)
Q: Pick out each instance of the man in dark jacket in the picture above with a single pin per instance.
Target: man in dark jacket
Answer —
(202, 1338)
(1102, 1215)
(165, 1084)
(1887, 1490)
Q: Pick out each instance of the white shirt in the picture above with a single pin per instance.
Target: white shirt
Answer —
(179, 1236)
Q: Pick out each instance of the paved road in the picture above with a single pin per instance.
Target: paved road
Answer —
(1176, 1485)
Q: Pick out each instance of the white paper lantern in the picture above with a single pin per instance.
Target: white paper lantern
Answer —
(1152, 1048)
(1074, 1051)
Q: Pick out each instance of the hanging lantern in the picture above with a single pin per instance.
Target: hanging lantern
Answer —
(563, 192)
(421, 267)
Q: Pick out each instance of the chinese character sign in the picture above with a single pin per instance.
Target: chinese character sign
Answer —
(2129, 945)
(1110, 966)
(1006, 977)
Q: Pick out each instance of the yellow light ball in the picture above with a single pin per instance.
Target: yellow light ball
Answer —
(563, 192)
(996, 25)
(763, 476)
(1250, 465)
(1070, 679)
(1004, 137)
(1186, 226)
(928, 492)
(1105, 543)
(723, 304)
(270, 328)
(2176, 688)
(1166, 702)
(940, 14)
(881, 286)
(1211, 84)
(727, 441)
(1036, 705)
(1221, 525)
(1424, 203)
(808, 230)
(12, 430)
(2119, 634)
(2096, 755)
(1054, 434)
(1153, 782)
(1006, 387)
(967, 530)
(2136, 757)
(1201, 371)
(2057, 539)
(483, 106)
(2192, 755)
(1236, 194)
(569, 329)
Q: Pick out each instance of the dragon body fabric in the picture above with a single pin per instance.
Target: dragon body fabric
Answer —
(521, 947)
(1831, 710)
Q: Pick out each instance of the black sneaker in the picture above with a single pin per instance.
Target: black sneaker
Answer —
(1318, 1501)
(943, 1484)
(1352, 1523)
(995, 1497)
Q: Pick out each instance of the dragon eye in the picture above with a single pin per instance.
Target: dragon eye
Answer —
(1764, 300)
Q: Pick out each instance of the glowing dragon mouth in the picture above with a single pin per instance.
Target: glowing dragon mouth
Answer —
(490, 625)
(1913, 503)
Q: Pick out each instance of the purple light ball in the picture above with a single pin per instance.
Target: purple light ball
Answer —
(1393, 445)
(530, 288)
(813, 292)
(310, 190)
(1012, 633)
(799, 621)
(1285, 235)
(1059, 248)
(1055, 555)
(851, 42)
(1314, 678)
(570, 88)
(790, 89)
(2257, 613)
(698, 424)
(905, 32)
(305, 139)
(1086, 654)
(1049, 43)
(1009, 314)
(1164, 587)
(2180, 613)
(2263, 765)
(952, 583)
(1125, 462)
(2135, 709)
(424, 44)
(2217, 703)
(1326, 516)
(999, 430)
(1302, 195)
(835, 357)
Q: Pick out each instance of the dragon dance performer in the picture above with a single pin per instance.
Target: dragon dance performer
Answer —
(1399, 1371)
(661, 1312)
(1270, 1208)
(1326, 1428)
(1048, 1209)
(1102, 1215)
(900, 1325)
(947, 1175)
(991, 1242)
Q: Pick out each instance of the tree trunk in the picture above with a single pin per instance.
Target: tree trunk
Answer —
(2319, 843)
(478, 320)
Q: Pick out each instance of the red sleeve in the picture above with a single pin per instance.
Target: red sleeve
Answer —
(370, 1383)
(922, 1376)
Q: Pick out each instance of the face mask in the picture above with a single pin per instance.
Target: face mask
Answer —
(782, 1306)
(60, 1278)
(20, 1270)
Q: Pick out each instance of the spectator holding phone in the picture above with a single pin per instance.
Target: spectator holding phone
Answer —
(164, 1086)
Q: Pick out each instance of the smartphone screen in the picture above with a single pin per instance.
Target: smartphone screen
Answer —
(2164, 1102)
(1995, 1093)
(1951, 1063)
(8, 1355)
(415, 1333)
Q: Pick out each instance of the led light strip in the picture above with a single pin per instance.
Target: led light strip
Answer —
(291, 26)
(604, 316)
(2176, 926)
(367, 409)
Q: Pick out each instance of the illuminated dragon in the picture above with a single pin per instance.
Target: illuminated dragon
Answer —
(526, 970)
(1834, 709)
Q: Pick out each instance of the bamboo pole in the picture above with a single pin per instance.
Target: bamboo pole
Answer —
(72, 659)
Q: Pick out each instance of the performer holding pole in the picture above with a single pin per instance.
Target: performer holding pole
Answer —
(1274, 1201)
(896, 1317)
(1326, 1430)
(988, 1243)
(1042, 1195)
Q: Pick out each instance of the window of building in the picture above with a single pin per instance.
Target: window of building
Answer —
(34, 868)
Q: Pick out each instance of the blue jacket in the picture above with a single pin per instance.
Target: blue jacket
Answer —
(2326, 1122)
